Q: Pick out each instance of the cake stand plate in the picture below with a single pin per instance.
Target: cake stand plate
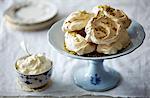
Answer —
(96, 77)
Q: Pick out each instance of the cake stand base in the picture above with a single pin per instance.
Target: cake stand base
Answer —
(96, 77)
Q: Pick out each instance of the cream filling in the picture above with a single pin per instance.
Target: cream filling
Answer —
(34, 64)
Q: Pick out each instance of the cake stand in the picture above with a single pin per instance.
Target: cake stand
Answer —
(97, 77)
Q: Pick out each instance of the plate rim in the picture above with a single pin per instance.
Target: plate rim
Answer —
(8, 16)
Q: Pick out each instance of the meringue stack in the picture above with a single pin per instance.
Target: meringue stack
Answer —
(73, 24)
(102, 30)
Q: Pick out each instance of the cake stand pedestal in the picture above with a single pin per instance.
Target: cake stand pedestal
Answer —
(97, 77)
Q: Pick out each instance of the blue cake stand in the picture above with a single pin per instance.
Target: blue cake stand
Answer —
(97, 77)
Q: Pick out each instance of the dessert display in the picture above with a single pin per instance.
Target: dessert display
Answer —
(95, 36)
(103, 31)
(34, 71)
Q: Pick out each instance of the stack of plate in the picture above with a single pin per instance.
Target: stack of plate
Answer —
(30, 16)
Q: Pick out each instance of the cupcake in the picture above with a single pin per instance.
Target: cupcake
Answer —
(34, 71)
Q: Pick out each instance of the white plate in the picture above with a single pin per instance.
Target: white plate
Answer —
(28, 13)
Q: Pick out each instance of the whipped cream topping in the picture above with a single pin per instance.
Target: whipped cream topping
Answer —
(116, 14)
(76, 21)
(75, 42)
(34, 64)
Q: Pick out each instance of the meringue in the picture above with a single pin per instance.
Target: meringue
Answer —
(102, 30)
(76, 43)
(76, 21)
(122, 42)
(116, 14)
